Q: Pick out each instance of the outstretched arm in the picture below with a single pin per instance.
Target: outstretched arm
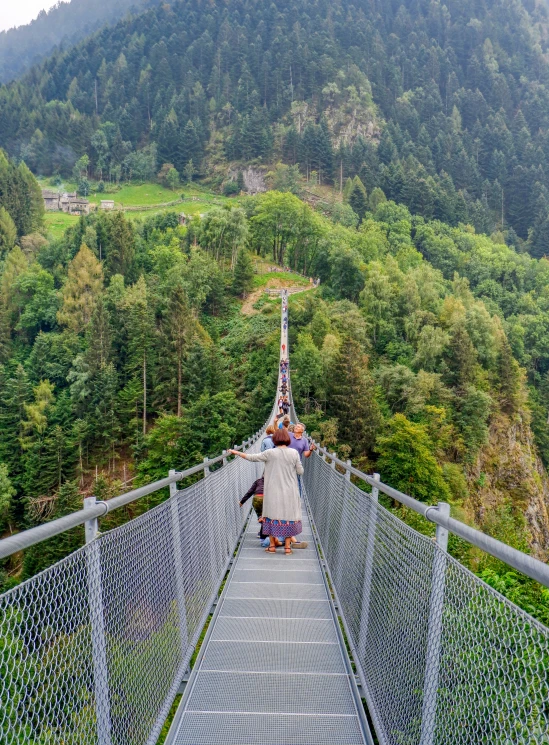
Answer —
(254, 457)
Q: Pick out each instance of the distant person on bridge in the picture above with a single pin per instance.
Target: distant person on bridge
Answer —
(285, 423)
(281, 502)
(267, 442)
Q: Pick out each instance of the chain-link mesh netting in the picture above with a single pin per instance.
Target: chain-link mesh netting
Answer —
(444, 658)
(93, 649)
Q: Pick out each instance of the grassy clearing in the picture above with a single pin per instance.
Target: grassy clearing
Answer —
(57, 222)
(196, 201)
(280, 279)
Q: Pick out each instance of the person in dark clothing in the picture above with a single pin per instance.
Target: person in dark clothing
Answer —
(256, 491)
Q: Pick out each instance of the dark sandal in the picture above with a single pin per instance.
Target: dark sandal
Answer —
(270, 550)
(288, 551)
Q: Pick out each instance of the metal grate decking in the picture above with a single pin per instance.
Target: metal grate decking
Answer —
(272, 669)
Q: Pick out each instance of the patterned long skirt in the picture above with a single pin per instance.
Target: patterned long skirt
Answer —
(282, 528)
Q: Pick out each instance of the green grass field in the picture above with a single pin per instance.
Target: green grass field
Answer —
(58, 222)
(284, 278)
(150, 195)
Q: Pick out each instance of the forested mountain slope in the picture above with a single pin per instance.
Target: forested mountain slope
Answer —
(445, 107)
(64, 24)
(124, 352)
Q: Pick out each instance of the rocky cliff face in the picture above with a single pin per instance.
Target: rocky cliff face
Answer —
(509, 476)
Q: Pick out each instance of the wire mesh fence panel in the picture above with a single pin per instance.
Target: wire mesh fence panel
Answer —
(93, 649)
(444, 658)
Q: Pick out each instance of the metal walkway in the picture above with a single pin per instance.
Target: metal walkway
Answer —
(273, 669)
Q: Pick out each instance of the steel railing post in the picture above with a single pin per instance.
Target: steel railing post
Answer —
(346, 496)
(206, 468)
(178, 565)
(434, 632)
(97, 628)
(224, 461)
(368, 571)
(348, 473)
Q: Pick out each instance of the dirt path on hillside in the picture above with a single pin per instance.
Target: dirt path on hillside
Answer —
(273, 284)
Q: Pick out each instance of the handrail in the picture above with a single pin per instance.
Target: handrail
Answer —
(524, 563)
(27, 538)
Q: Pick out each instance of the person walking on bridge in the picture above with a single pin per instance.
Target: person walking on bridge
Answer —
(281, 503)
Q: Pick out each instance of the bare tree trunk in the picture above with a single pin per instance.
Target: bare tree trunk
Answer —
(179, 386)
(81, 464)
(144, 394)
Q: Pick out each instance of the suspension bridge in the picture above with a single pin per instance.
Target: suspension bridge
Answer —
(372, 634)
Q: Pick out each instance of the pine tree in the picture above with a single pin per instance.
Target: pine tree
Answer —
(377, 197)
(33, 202)
(15, 265)
(243, 273)
(5, 334)
(168, 141)
(358, 199)
(351, 398)
(83, 285)
(460, 358)
(15, 392)
(8, 232)
(347, 189)
(140, 329)
(177, 326)
(190, 147)
(7, 492)
(99, 337)
(120, 244)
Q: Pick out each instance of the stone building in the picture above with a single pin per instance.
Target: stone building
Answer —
(68, 202)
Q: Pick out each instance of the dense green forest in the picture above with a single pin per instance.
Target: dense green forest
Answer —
(65, 23)
(423, 354)
(444, 107)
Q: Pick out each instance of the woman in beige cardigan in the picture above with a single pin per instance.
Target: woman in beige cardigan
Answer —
(281, 503)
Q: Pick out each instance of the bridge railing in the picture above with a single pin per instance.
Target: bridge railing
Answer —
(93, 649)
(442, 657)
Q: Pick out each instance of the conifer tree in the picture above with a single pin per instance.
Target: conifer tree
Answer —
(139, 323)
(120, 244)
(80, 292)
(15, 392)
(243, 273)
(460, 358)
(177, 326)
(358, 199)
(190, 147)
(99, 336)
(168, 141)
(376, 198)
(15, 265)
(5, 334)
(7, 492)
(347, 189)
(32, 202)
(8, 232)
(351, 397)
